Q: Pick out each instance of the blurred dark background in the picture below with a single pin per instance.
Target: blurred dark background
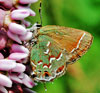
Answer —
(84, 75)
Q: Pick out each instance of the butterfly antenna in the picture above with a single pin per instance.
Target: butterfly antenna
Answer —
(40, 11)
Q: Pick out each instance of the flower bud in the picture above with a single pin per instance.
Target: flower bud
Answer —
(17, 29)
(3, 39)
(27, 1)
(17, 56)
(19, 14)
(2, 17)
(14, 37)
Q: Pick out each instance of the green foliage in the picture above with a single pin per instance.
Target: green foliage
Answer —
(84, 75)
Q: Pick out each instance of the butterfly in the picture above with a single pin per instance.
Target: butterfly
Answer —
(57, 47)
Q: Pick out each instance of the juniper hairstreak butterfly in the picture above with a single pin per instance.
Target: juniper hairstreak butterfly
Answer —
(57, 47)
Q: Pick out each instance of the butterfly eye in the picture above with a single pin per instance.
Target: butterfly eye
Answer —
(60, 69)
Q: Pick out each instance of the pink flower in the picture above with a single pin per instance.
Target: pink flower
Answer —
(26, 23)
(3, 39)
(27, 81)
(17, 56)
(17, 88)
(19, 14)
(7, 3)
(14, 37)
(27, 1)
(4, 64)
(26, 37)
(32, 13)
(19, 48)
(2, 16)
(11, 3)
(17, 29)
(10, 65)
(16, 32)
(1, 56)
(13, 31)
(5, 81)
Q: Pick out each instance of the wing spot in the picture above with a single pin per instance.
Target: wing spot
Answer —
(47, 51)
(48, 44)
(59, 56)
(60, 69)
(51, 58)
(40, 62)
(46, 66)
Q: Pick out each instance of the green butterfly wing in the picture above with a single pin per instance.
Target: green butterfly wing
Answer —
(48, 59)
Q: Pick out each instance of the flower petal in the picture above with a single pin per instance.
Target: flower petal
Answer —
(14, 37)
(25, 60)
(19, 48)
(6, 3)
(7, 65)
(28, 81)
(16, 88)
(27, 36)
(3, 39)
(19, 68)
(17, 56)
(27, 1)
(21, 75)
(1, 56)
(2, 16)
(26, 23)
(5, 81)
(3, 90)
(19, 14)
(17, 29)
(32, 13)
(15, 78)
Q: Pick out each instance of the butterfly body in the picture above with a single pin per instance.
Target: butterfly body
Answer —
(56, 48)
